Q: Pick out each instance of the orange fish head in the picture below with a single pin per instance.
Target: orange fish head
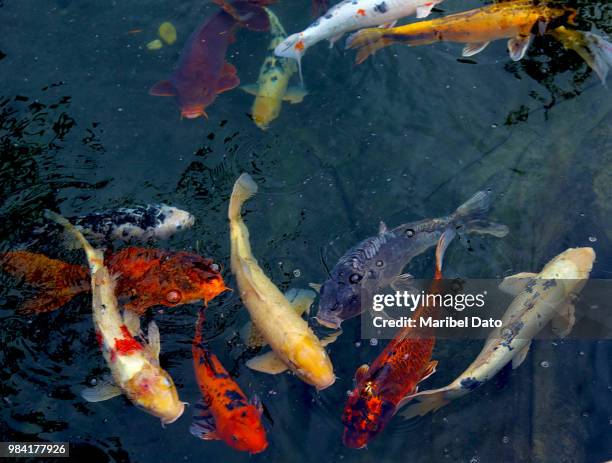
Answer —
(188, 278)
(364, 416)
(244, 431)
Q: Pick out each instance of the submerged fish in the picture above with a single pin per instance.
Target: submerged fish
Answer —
(516, 20)
(130, 224)
(134, 367)
(202, 71)
(593, 49)
(350, 15)
(145, 278)
(294, 345)
(224, 413)
(272, 86)
(381, 389)
(377, 262)
(540, 298)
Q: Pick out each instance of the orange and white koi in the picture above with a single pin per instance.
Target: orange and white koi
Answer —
(134, 366)
(516, 20)
(348, 16)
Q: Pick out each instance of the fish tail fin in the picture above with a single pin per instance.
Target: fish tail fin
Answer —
(593, 49)
(244, 188)
(427, 401)
(293, 47)
(367, 42)
(248, 13)
(471, 217)
(92, 254)
(58, 282)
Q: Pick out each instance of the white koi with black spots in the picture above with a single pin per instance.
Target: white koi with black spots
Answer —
(348, 16)
(540, 298)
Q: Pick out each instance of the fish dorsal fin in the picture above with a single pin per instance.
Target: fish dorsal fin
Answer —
(472, 49)
(361, 372)
(403, 282)
(424, 10)
(154, 341)
(517, 47)
(564, 319)
(267, 363)
(163, 88)
(102, 391)
(516, 284)
(382, 228)
(295, 95)
(203, 425)
(251, 89)
(520, 356)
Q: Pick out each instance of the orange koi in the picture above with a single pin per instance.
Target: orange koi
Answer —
(225, 413)
(385, 386)
(517, 20)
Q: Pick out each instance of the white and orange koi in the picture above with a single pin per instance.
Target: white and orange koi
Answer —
(134, 367)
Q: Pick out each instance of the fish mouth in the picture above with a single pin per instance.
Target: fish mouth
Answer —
(335, 324)
(193, 113)
(166, 421)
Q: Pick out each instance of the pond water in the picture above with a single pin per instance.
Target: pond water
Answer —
(409, 134)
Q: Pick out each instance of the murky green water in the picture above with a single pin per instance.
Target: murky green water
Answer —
(409, 134)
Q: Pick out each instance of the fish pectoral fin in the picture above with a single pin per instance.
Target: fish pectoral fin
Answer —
(472, 49)
(163, 88)
(153, 341)
(361, 372)
(564, 319)
(203, 425)
(251, 336)
(267, 363)
(520, 356)
(228, 80)
(295, 95)
(132, 322)
(327, 340)
(102, 391)
(251, 89)
(315, 286)
(334, 39)
(516, 284)
(429, 370)
(300, 299)
(403, 282)
(517, 47)
(424, 10)
(388, 25)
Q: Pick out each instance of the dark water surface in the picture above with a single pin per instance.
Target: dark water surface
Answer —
(409, 134)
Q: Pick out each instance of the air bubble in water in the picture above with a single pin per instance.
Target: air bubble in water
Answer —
(592, 239)
(544, 364)
(373, 342)
(505, 439)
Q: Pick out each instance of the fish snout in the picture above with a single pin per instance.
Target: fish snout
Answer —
(171, 419)
(328, 322)
(194, 113)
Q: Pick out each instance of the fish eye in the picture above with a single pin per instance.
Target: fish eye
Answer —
(234, 438)
(174, 297)
(355, 278)
(215, 267)
(410, 233)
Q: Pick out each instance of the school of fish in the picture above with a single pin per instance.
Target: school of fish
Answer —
(125, 284)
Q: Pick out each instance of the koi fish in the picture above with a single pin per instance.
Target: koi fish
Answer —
(382, 388)
(515, 20)
(134, 367)
(539, 299)
(377, 262)
(141, 224)
(225, 413)
(146, 278)
(272, 85)
(294, 345)
(202, 71)
(593, 49)
(350, 15)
